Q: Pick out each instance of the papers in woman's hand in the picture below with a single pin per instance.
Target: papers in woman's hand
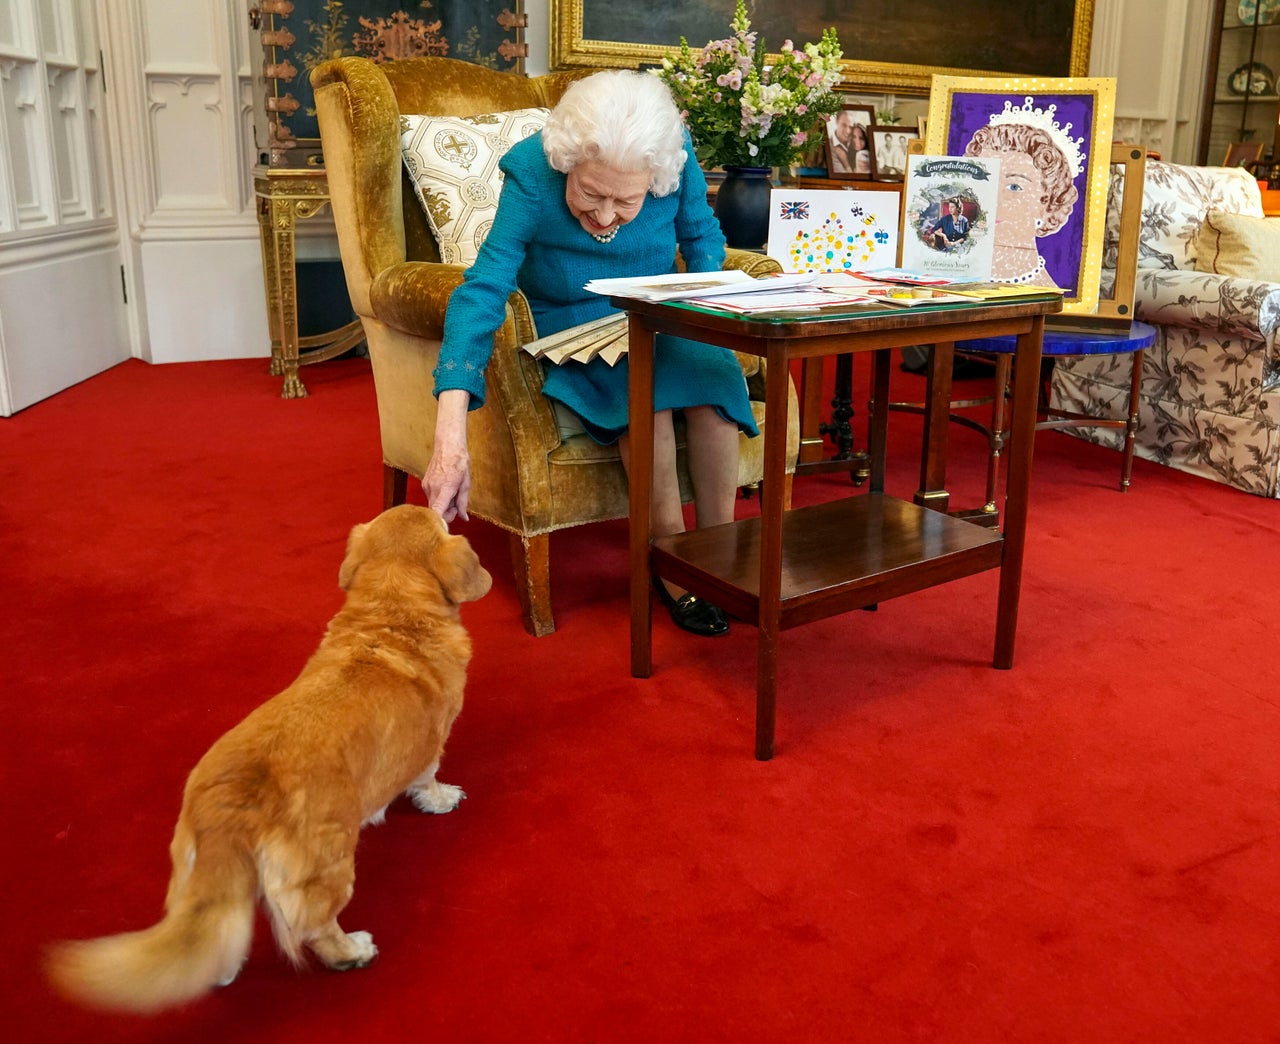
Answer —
(682, 285)
(606, 337)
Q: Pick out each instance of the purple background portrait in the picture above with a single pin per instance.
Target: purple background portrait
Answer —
(1062, 251)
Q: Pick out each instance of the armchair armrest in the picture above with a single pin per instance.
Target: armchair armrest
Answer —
(1201, 300)
(412, 296)
(748, 261)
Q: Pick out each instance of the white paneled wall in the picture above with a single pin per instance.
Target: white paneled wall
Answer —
(139, 164)
(185, 102)
(62, 312)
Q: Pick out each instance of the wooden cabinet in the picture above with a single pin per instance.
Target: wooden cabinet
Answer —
(1241, 102)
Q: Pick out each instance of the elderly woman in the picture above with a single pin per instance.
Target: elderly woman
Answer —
(609, 187)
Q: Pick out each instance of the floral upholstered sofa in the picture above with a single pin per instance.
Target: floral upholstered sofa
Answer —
(1210, 401)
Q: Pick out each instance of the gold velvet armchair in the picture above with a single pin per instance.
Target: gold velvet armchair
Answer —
(525, 478)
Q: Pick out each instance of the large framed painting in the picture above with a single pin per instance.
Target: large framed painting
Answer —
(1053, 140)
(297, 35)
(888, 46)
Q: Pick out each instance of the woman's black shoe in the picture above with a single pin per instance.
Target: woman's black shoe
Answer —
(693, 614)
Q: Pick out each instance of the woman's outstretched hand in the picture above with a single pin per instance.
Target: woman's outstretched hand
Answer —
(447, 482)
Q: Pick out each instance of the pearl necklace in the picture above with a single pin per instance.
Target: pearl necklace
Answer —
(1026, 277)
(605, 237)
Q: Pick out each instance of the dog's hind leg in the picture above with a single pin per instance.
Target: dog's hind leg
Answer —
(305, 890)
(430, 795)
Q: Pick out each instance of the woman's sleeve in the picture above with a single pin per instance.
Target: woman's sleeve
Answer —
(478, 307)
(697, 230)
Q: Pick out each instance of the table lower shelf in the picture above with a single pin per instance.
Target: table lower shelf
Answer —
(838, 556)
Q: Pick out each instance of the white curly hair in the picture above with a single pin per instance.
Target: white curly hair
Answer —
(622, 118)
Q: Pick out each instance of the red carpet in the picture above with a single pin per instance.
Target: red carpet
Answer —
(1085, 848)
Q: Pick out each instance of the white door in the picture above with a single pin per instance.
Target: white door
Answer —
(62, 299)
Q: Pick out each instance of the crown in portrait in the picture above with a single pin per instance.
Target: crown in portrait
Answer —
(1028, 113)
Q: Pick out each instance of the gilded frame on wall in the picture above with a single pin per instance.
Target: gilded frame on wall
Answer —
(1077, 114)
(1012, 37)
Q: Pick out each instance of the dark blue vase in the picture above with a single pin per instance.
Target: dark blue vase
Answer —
(742, 206)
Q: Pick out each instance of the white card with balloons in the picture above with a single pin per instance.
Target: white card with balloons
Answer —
(833, 230)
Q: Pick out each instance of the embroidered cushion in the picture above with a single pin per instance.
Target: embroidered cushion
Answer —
(453, 164)
(1175, 200)
(1236, 245)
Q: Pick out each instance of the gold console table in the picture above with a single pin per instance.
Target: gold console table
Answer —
(283, 197)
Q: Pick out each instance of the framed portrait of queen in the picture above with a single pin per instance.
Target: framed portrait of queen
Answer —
(1053, 140)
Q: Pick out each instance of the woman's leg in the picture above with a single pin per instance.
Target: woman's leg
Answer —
(666, 516)
(713, 464)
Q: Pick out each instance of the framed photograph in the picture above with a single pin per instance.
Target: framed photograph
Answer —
(1053, 140)
(1243, 154)
(851, 153)
(890, 143)
(885, 50)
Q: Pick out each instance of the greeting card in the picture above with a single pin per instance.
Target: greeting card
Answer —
(833, 230)
(950, 224)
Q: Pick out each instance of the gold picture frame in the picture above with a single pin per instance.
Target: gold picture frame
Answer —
(1067, 236)
(1242, 154)
(1048, 46)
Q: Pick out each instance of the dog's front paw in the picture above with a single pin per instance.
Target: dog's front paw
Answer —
(360, 952)
(436, 797)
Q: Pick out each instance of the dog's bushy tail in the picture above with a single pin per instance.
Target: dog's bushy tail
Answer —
(201, 942)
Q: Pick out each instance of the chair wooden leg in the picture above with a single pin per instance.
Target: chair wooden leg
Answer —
(1131, 425)
(531, 560)
(395, 486)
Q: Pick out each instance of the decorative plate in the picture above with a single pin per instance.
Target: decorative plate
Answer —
(1252, 80)
(1261, 11)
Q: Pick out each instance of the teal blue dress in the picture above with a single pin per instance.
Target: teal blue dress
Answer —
(538, 246)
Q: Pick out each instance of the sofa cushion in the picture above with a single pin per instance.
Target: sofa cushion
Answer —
(453, 164)
(1174, 202)
(1236, 245)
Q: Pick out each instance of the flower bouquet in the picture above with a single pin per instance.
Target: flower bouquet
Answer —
(741, 112)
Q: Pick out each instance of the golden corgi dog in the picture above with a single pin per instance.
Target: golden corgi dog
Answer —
(274, 807)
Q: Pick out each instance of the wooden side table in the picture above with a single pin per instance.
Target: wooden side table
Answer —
(283, 197)
(790, 567)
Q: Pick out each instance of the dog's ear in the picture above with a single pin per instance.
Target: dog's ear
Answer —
(459, 571)
(354, 556)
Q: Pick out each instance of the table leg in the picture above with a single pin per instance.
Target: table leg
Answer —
(810, 411)
(840, 430)
(878, 421)
(271, 284)
(937, 416)
(284, 276)
(1021, 443)
(996, 438)
(772, 506)
(640, 483)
